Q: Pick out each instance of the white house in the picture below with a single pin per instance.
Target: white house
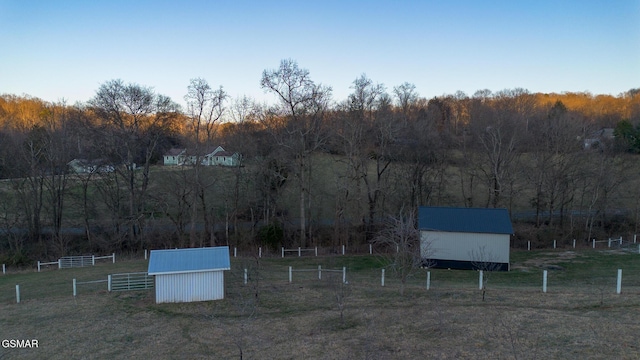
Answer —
(599, 138)
(221, 157)
(174, 156)
(210, 156)
(188, 275)
(465, 238)
(84, 166)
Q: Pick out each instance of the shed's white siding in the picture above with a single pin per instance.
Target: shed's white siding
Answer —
(188, 287)
(464, 246)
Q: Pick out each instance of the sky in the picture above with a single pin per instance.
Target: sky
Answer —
(64, 50)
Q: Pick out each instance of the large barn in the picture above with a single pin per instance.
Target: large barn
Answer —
(465, 238)
(187, 275)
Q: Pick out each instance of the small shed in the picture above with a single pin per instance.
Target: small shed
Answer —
(188, 275)
(465, 238)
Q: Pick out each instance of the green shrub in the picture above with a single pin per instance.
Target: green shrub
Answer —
(271, 236)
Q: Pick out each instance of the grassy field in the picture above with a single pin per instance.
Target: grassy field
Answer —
(580, 317)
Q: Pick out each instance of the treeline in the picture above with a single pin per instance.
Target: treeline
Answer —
(313, 170)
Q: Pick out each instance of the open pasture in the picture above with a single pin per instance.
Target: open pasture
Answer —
(580, 316)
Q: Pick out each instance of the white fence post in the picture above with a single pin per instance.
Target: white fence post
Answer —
(4, 269)
(544, 281)
(574, 243)
(145, 254)
(344, 274)
(638, 248)
(382, 278)
(319, 272)
(299, 251)
(109, 282)
(93, 260)
(114, 257)
(235, 252)
(17, 294)
(283, 251)
(370, 249)
(554, 243)
(609, 242)
(619, 283)
(480, 280)
(620, 240)
(38, 265)
(245, 276)
(260, 252)
(594, 243)
(634, 238)
(528, 245)
(316, 251)
(290, 273)
(59, 263)
(74, 287)
(428, 280)
(342, 249)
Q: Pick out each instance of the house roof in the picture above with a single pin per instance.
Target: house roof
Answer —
(224, 153)
(175, 152)
(212, 150)
(178, 261)
(470, 220)
(86, 162)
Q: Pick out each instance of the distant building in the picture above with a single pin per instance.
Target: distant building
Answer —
(188, 275)
(174, 156)
(600, 138)
(84, 166)
(210, 156)
(465, 238)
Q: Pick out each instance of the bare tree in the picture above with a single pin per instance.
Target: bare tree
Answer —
(484, 260)
(302, 107)
(205, 108)
(10, 223)
(401, 240)
(406, 97)
(496, 131)
(367, 135)
(554, 162)
(132, 119)
(341, 293)
(56, 173)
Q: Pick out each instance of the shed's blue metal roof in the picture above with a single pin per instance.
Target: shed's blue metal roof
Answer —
(472, 220)
(189, 260)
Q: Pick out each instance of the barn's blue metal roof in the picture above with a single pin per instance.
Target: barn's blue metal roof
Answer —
(189, 260)
(472, 220)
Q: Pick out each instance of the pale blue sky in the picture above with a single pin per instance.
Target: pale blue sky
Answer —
(66, 49)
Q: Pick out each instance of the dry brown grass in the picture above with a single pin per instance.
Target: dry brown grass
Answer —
(302, 321)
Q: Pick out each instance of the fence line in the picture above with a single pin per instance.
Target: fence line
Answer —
(130, 281)
(76, 283)
(593, 242)
(319, 270)
(480, 279)
(299, 250)
(67, 262)
(554, 244)
(48, 263)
